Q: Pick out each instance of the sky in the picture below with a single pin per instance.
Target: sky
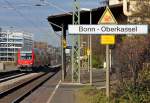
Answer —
(23, 15)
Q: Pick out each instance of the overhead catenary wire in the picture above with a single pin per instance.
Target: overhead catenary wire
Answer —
(25, 18)
(55, 6)
(30, 21)
(21, 15)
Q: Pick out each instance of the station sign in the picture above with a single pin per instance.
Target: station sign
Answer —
(67, 51)
(108, 29)
(107, 39)
(108, 25)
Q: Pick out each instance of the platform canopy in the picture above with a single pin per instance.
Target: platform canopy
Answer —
(66, 18)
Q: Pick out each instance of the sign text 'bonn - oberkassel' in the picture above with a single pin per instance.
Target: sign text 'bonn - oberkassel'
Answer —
(108, 29)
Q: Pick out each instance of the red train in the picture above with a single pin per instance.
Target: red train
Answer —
(32, 59)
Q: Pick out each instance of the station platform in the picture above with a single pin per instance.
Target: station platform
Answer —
(9, 69)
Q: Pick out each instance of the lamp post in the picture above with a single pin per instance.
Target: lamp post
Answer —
(89, 44)
(62, 50)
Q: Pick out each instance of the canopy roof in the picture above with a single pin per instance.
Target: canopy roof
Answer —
(66, 18)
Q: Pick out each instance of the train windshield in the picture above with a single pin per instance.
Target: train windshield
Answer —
(26, 56)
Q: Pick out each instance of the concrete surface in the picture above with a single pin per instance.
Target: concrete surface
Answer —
(2, 66)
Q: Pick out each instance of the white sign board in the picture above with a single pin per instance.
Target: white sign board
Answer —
(67, 51)
(108, 29)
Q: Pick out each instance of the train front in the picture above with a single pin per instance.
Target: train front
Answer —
(25, 59)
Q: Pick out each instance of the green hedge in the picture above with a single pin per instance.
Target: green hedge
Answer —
(97, 61)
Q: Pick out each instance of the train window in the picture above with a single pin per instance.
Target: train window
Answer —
(26, 56)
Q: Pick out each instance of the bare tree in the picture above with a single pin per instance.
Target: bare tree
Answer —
(130, 56)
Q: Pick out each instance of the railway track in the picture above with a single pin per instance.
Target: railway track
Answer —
(9, 73)
(12, 77)
(19, 92)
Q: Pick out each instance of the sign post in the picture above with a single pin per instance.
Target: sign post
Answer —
(107, 18)
(107, 71)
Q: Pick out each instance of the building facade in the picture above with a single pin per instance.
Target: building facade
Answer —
(40, 45)
(10, 42)
(115, 2)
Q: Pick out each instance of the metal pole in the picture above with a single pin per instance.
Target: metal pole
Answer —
(14, 47)
(107, 71)
(76, 44)
(79, 64)
(88, 63)
(72, 60)
(107, 68)
(110, 55)
(88, 54)
(62, 56)
(79, 44)
(90, 50)
(7, 45)
(72, 52)
(64, 48)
